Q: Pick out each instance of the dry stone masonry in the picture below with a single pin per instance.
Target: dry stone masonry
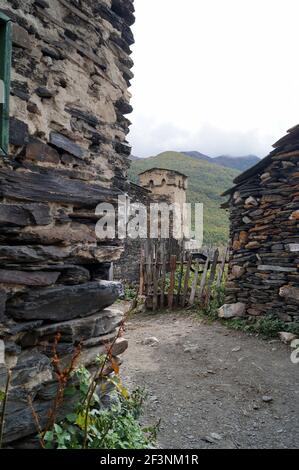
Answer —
(264, 211)
(71, 70)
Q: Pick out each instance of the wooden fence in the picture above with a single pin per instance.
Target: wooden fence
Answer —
(179, 280)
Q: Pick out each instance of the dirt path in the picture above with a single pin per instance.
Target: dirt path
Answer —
(207, 383)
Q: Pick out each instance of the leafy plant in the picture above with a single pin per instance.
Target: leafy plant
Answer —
(130, 293)
(268, 327)
(113, 427)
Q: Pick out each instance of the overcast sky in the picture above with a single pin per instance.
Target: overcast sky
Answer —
(217, 76)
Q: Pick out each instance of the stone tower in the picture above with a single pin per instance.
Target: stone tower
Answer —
(165, 185)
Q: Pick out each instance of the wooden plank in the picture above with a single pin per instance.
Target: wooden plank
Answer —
(186, 282)
(172, 281)
(163, 275)
(203, 280)
(155, 279)
(212, 277)
(141, 276)
(194, 285)
(181, 275)
(222, 268)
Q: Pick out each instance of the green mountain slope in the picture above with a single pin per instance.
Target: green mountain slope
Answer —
(206, 184)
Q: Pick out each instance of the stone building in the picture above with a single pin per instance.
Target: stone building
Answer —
(166, 185)
(66, 70)
(264, 213)
(156, 185)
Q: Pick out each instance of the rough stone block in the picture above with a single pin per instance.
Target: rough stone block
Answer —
(232, 311)
(37, 278)
(18, 132)
(38, 151)
(63, 143)
(20, 37)
(63, 303)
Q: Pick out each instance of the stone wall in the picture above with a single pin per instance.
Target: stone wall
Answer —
(158, 186)
(264, 212)
(71, 69)
(127, 269)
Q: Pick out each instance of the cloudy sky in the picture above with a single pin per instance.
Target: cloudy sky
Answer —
(217, 76)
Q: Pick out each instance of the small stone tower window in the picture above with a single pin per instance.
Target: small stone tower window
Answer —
(151, 183)
(163, 182)
(5, 65)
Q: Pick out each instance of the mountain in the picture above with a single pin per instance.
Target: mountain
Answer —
(207, 182)
(236, 163)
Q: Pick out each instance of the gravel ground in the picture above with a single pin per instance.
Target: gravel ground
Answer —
(213, 387)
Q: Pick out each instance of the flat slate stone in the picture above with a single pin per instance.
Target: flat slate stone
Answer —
(20, 37)
(18, 132)
(48, 187)
(38, 151)
(63, 143)
(22, 215)
(37, 278)
(95, 326)
(64, 303)
(3, 298)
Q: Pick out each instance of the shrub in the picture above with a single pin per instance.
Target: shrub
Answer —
(94, 426)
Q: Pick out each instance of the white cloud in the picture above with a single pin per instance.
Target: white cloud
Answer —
(215, 76)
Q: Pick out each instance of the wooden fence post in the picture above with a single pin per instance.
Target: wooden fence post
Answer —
(212, 277)
(222, 268)
(203, 280)
(194, 285)
(155, 268)
(163, 276)
(186, 283)
(172, 281)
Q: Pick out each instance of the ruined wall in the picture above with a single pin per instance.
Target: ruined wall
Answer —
(156, 186)
(68, 152)
(127, 269)
(264, 211)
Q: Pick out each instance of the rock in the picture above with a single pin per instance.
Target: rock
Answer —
(18, 132)
(83, 329)
(2, 352)
(251, 202)
(52, 53)
(216, 436)
(295, 215)
(48, 187)
(232, 310)
(37, 278)
(64, 303)
(152, 341)
(42, 3)
(20, 37)
(38, 151)
(267, 399)
(237, 272)
(287, 338)
(3, 298)
(45, 93)
(63, 143)
(289, 292)
(24, 214)
(191, 349)
(237, 349)
(74, 275)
